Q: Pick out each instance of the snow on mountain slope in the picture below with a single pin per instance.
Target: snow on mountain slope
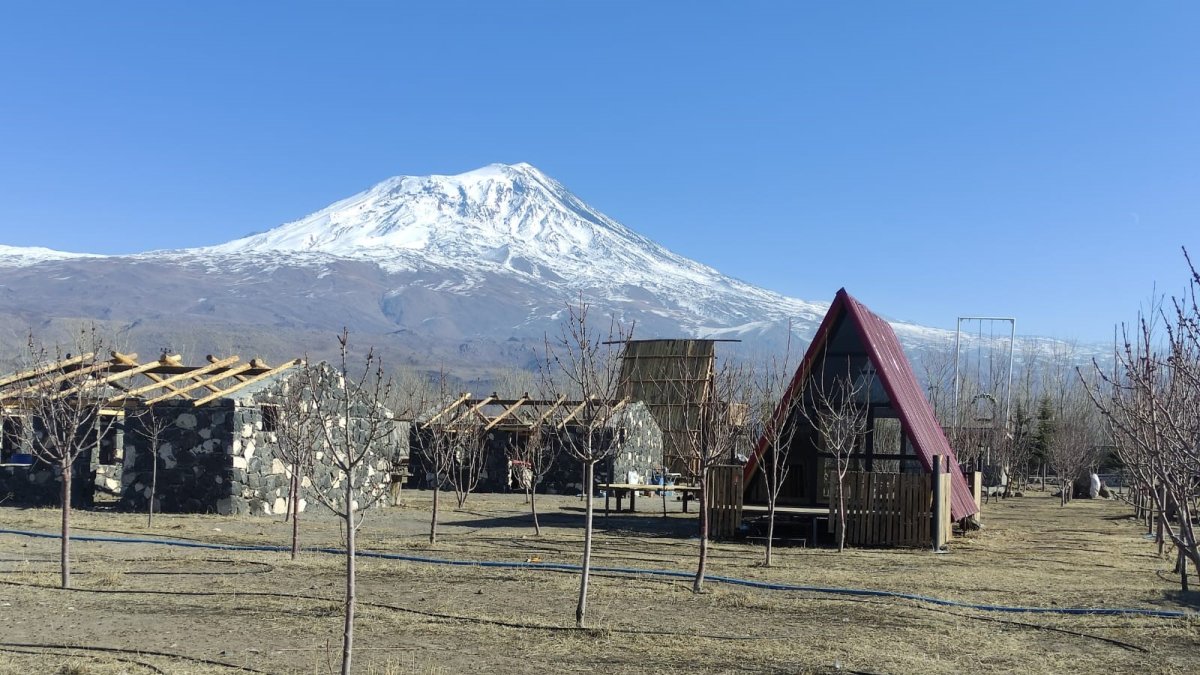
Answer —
(20, 256)
(483, 261)
(515, 221)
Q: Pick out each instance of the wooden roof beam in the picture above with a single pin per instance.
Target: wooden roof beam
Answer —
(44, 368)
(583, 404)
(507, 411)
(166, 383)
(60, 378)
(131, 360)
(245, 383)
(209, 382)
(474, 409)
(443, 411)
(126, 373)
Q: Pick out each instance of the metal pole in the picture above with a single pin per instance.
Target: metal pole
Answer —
(957, 336)
(1012, 341)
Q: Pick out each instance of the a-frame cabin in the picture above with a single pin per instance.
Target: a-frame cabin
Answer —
(903, 435)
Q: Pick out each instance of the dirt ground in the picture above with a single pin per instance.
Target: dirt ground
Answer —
(190, 610)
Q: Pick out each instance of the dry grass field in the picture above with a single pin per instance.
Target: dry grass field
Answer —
(185, 610)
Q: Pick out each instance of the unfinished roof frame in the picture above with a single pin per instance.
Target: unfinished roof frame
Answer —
(221, 377)
(559, 412)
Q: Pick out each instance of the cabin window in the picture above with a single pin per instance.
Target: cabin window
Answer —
(887, 436)
(270, 418)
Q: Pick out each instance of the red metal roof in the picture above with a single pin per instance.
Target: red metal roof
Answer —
(898, 380)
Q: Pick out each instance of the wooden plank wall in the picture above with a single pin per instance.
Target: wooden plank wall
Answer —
(724, 501)
(890, 509)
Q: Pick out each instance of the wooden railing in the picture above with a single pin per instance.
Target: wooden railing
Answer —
(892, 509)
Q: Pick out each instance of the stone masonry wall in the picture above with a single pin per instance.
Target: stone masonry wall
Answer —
(219, 458)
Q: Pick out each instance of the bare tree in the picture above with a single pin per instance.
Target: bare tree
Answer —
(436, 446)
(67, 415)
(440, 445)
(514, 379)
(534, 457)
(151, 426)
(1151, 401)
(468, 456)
(355, 428)
(713, 412)
(776, 414)
(840, 419)
(411, 394)
(1073, 441)
(296, 433)
(584, 360)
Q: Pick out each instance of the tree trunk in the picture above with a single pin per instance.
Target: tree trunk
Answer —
(65, 553)
(581, 608)
(1162, 519)
(287, 513)
(295, 509)
(698, 583)
(348, 632)
(433, 520)
(841, 533)
(537, 529)
(771, 530)
(153, 489)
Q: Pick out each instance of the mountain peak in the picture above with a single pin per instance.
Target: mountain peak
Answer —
(471, 214)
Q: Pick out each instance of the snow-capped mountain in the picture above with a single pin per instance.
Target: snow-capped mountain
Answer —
(515, 221)
(20, 256)
(473, 267)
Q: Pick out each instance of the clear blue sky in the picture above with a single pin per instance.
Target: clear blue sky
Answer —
(1036, 159)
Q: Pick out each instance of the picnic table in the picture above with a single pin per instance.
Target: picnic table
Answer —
(619, 490)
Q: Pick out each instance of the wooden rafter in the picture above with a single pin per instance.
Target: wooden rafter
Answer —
(114, 378)
(43, 369)
(443, 411)
(166, 383)
(472, 410)
(550, 410)
(129, 360)
(209, 383)
(582, 404)
(247, 382)
(620, 404)
(60, 378)
(507, 411)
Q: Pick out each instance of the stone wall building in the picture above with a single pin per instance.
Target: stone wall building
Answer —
(224, 457)
(218, 448)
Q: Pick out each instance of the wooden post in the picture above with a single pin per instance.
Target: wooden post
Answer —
(935, 529)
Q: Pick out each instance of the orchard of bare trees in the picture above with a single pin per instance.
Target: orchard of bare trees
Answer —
(1150, 399)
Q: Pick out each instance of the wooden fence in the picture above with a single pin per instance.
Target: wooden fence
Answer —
(724, 501)
(891, 509)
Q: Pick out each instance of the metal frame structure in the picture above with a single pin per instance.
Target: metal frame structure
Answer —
(1012, 341)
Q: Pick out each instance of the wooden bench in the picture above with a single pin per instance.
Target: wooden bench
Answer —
(621, 489)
